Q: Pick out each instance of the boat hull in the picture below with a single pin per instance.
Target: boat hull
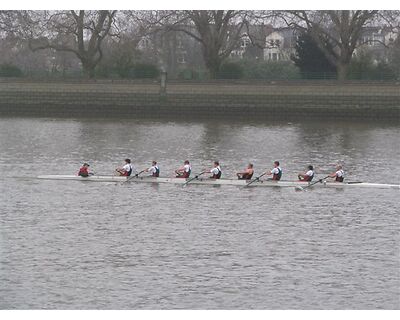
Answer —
(216, 182)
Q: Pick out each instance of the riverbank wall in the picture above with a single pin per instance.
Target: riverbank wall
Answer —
(218, 99)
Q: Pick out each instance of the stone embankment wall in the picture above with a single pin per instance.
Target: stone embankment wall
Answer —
(228, 99)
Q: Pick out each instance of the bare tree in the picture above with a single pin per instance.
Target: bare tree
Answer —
(391, 19)
(218, 32)
(80, 32)
(342, 28)
(9, 22)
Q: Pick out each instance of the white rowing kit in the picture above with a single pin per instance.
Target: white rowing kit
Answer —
(128, 167)
(153, 169)
(339, 173)
(215, 170)
(310, 173)
(232, 182)
(276, 170)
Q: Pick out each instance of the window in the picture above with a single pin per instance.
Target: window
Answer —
(367, 40)
(378, 39)
(182, 58)
(274, 43)
(244, 43)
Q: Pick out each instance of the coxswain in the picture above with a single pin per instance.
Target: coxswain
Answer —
(338, 175)
(276, 172)
(216, 171)
(247, 173)
(126, 170)
(84, 171)
(308, 176)
(154, 170)
(184, 171)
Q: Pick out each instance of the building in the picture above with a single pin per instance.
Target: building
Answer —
(267, 43)
(377, 41)
(280, 45)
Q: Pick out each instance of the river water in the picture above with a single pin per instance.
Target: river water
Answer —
(76, 245)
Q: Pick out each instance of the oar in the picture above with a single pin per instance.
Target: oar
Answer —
(320, 180)
(134, 176)
(195, 177)
(256, 179)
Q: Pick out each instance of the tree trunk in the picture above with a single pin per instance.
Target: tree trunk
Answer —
(214, 70)
(213, 64)
(88, 70)
(342, 71)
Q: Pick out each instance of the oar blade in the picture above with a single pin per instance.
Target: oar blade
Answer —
(185, 184)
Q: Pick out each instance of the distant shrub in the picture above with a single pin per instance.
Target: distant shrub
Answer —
(188, 74)
(106, 71)
(384, 71)
(193, 74)
(230, 70)
(136, 71)
(144, 71)
(363, 67)
(272, 70)
(9, 70)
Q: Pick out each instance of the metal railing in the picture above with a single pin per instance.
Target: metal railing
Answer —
(203, 76)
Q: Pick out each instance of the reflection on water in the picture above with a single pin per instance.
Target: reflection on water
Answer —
(67, 245)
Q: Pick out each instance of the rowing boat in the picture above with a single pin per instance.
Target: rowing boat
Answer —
(232, 182)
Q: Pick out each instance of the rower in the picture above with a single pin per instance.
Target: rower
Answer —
(308, 176)
(84, 171)
(154, 169)
(126, 170)
(276, 172)
(216, 171)
(247, 173)
(184, 171)
(338, 175)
